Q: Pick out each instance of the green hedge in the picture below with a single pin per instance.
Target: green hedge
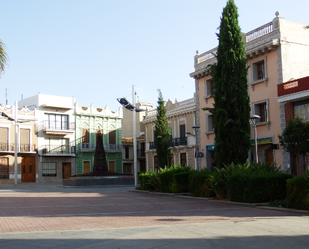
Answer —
(174, 179)
(298, 192)
(199, 183)
(257, 187)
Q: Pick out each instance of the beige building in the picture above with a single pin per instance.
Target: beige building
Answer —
(276, 52)
(127, 138)
(26, 145)
(181, 118)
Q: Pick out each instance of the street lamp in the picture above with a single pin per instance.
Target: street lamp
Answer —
(254, 119)
(196, 129)
(131, 107)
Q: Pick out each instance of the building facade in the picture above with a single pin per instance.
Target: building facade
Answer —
(25, 145)
(127, 138)
(275, 52)
(55, 129)
(89, 122)
(181, 118)
(293, 97)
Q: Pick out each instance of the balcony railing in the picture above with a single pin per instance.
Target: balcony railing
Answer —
(107, 147)
(20, 148)
(140, 153)
(57, 126)
(179, 141)
(57, 150)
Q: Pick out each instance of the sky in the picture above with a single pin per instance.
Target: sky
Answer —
(96, 50)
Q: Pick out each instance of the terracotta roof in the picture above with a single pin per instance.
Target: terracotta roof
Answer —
(127, 140)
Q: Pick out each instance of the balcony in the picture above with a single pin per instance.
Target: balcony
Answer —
(6, 147)
(140, 153)
(90, 147)
(57, 128)
(57, 150)
(179, 141)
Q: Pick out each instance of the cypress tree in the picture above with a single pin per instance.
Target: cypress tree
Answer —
(232, 105)
(162, 138)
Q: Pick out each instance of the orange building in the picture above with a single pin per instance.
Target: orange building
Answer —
(275, 52)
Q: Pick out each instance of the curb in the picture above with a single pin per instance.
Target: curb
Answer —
(256, 205)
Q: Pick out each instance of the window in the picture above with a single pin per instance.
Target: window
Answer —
(155, 163)
(301, 109)
(209, 88)
(49, 169)
(4, 139)
(182, 130)
(57, 146)
(258, 71)
(210, 123)
(261, 108)
(56, 121)
(112, 139)
(24, 140)
(183, 159)
(127, 152)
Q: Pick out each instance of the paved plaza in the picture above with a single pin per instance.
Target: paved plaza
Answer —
(51, 216)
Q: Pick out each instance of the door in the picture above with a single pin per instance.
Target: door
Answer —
(28, 169)
(66, 170)
(86, 167)
(142, 165)
(269, 156)
(4, 168)
(111, 166)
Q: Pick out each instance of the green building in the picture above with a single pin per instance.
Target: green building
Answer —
(89, 121)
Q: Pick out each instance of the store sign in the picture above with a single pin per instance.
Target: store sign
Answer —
(290, 85)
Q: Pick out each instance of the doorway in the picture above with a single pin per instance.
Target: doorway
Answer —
(86, 167)
(111, 166)
(66, 170)
(28, 169)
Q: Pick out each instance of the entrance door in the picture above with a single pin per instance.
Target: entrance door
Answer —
(111, 166)
(86, 167)
(66, 170)
(4, 168)
(28, 169)
(142, 165)
(269, 156)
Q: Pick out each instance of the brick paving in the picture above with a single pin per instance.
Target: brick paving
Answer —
(58, 209)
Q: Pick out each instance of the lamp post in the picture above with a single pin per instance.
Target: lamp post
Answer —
(254, 120)
(196, 129)
(131, 107)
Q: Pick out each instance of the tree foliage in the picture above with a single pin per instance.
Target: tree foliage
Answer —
(232, 105)
(162, 138)
(295, 136)
(3, 57)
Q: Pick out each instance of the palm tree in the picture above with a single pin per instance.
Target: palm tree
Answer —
(3, 57)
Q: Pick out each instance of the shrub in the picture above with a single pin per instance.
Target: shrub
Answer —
(169, 183)
(298, 192)
(199, 183)
(149, 181)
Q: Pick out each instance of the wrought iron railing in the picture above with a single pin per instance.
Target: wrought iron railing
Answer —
(179, 141)
(57, 149)
(20, 148)
(107, 147)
